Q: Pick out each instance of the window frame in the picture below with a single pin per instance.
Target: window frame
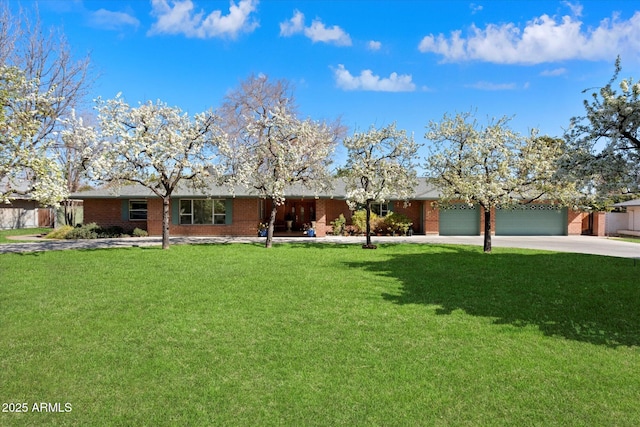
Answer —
(379, 207)
(138, 210)
(194, 212)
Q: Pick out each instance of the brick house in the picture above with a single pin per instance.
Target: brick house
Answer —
(220, 212)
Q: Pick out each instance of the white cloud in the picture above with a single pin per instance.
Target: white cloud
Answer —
(180, 18)
(576, 8)
(492, 86)
(316, 32)
(370, 82)
(475, 8)
(554, 72)
(544, 39)
(374, 45)
(292, 26)
(109, 20)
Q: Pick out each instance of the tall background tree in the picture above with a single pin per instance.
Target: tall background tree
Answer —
(380, 166)
(605, 142)
(40, 78)
(25, 168)
(76, 142)
(156, 146)
(492, 166)
(271, 148)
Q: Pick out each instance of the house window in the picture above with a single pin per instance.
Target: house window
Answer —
(202, 211)
(137, 210)
(380, 209)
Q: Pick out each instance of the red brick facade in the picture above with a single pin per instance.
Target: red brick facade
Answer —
(247, 213)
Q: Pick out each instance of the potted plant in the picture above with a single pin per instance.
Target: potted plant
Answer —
(289, 220)
(309, 230)
(262, 229)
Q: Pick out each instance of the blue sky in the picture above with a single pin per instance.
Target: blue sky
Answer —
(369, 62)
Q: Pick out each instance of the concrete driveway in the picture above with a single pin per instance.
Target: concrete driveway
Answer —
(577, 244)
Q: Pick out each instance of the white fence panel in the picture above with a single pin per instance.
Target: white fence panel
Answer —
(616, 221)
(18, 218)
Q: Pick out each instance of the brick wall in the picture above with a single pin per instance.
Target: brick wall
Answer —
(108, 213)
(431, 217)
(493, 220)
(424, 214)
(574, 221)
(245, 220)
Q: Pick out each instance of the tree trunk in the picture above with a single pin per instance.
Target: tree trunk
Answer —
(368, 245)
(165, 222)
(272, 221)
(487, 230)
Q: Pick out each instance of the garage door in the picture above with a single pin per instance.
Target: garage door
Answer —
(459, 220)
(532, 220)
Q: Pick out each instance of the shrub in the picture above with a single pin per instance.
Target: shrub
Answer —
(397, 223)
(139, 232)
(86, 231)
(338, 225)
(112, 231)
(59, 233)
(359, 220)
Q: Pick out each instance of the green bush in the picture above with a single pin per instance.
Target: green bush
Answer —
(139, 232)
(86, 231)
(59, 233)
(112, 231)
(397, 223)
(359, 221)
(338, 225)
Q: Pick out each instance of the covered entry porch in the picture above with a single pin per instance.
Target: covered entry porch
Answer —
(295, 216)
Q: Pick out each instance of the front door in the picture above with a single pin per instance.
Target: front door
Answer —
(302, 213)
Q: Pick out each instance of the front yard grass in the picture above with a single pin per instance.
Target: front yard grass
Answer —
(320, 335)
(4, 234)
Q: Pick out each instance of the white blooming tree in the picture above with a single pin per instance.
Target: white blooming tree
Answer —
(156, 146)
(71, 150)
(606, 140)
(25, 168)
(76, 140)
(380, 167)
(40, 82)
(492, 166)
(270, 147)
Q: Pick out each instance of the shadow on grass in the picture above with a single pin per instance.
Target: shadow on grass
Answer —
(586, 298)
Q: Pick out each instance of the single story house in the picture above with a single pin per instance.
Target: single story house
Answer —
(24, 212)
(629, 223)
(220, 212)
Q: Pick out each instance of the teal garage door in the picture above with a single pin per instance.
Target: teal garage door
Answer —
(532, 220)
(459, 220)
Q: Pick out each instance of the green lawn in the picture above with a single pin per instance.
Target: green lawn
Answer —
(629, 239)
(320, 334)
(20, 232)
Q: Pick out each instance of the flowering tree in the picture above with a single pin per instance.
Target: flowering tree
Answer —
(606, 141)
(71, 151)
(25, 167)
(494, 166)
(156, 146)
(380, 166)
(40, 82)
(77, 138)
(270, 147)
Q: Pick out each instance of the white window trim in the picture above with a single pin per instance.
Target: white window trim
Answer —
(191, 214)
(146, 210)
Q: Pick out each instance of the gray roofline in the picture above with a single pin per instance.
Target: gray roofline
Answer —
(424, 191)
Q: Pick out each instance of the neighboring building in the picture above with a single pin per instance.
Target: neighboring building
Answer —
(23, 212)
(628, 222)
(220, 212)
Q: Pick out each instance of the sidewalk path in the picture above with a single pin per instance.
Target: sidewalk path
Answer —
(577, 244)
